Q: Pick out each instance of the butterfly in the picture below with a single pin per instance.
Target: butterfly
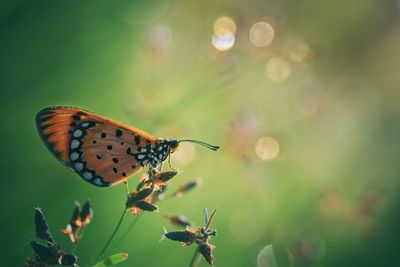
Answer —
(102, 151)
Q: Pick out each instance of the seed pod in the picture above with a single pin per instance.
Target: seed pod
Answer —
(211, 232)
(87, 213)
(185, 237)
(142, 194)
(69, 260)
(76, 216)
(42, 228)
(144, 205)
(187, 187)
(46, 254)
(179, 220)
(141, 184)
(137, 196)
(164, 177)
(80, 218)
(205, 250)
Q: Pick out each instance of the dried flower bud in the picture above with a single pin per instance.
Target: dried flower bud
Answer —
(142, 194)
(136, 196)
(164, 177)
(185, 237)
(72, 232)
(179, 220)
(80, 218)
(75, 220)
(205, 250)
(144, 205)
(69, 260)
(187, 187)
(199, 235)
(211, 232)
(141, 184)
(42, 228)
(86, 215)
(47, 254)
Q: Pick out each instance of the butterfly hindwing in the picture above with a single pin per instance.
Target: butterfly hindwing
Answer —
(100, 150)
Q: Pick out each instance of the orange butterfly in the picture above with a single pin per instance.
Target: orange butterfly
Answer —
(103, 152)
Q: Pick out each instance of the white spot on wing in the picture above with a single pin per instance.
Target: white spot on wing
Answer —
(87, 175)
(77, 133)
(98, 181)
(74, 144)
(74, 156)
(78, 166)
(85, 124)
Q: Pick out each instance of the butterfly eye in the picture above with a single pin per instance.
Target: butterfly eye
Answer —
(173, 144)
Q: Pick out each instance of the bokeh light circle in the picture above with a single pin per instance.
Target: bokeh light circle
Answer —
(266, 257)
(278, 69)
(160, 37)
(307, 97)
(223, 44)
(185, 154)
(261, 34)
(247, 226)
(224, 27)
(267, 148)
(298, 51)
(223, 38)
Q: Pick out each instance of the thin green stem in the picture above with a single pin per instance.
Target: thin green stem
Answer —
(112, 235)
(195, 259)
(125, 234)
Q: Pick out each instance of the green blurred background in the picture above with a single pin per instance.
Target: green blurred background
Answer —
(303, 97)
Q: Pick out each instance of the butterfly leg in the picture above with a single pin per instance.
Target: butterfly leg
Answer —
(127, 187)
(169, 163)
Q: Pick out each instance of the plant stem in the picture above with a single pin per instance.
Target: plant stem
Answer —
(112, 235)
(125, 234)
(195, 259)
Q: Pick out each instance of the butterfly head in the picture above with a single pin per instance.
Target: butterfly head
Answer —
(173, 145)
(163, 148)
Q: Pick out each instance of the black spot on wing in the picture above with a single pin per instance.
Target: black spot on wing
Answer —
(118, 133)
(76, 117)
(137, 140)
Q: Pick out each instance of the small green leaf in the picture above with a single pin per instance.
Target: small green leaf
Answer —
(112, 260)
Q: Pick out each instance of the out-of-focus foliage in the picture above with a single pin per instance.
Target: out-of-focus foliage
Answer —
(303, 97)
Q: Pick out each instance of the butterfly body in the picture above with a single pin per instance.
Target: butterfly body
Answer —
(103, 152)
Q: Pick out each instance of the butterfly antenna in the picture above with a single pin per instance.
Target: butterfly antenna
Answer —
(215, 148)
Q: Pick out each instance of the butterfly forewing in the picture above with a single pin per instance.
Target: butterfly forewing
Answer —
(100, 150)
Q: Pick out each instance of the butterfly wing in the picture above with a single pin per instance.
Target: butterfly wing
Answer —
(103, 152)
